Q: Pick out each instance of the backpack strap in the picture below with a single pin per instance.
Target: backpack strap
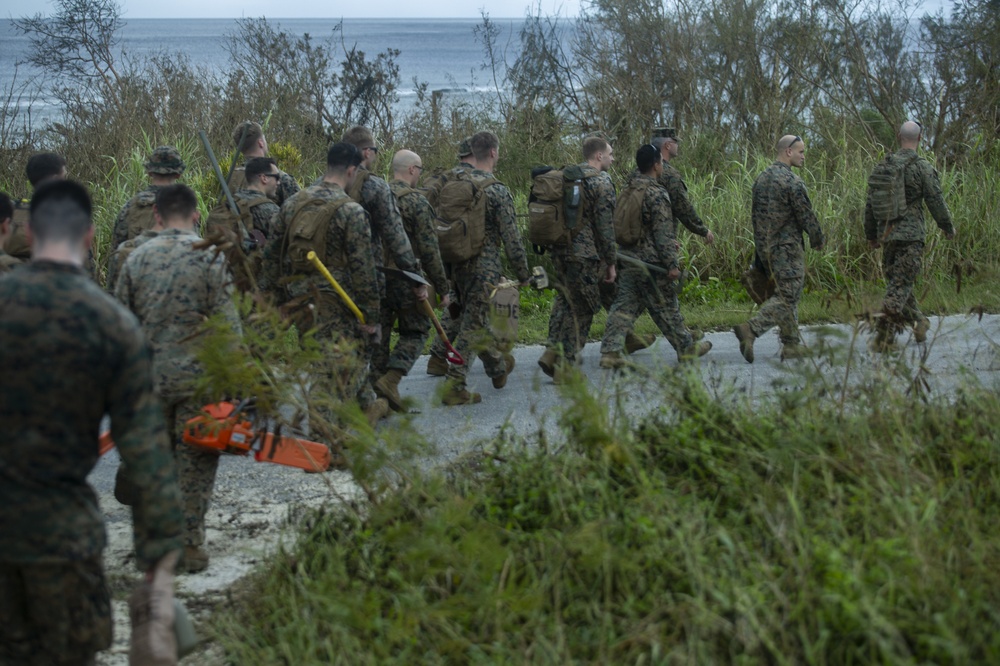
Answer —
(331, 209)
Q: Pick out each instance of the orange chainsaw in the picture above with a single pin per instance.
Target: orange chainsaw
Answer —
(225, 427)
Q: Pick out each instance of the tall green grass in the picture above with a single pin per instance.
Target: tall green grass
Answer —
(799, 531)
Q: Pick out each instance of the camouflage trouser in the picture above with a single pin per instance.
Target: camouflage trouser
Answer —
(474, 335)
(400, 305)
(196, 468)
(901, 262)
(53, 614)
(782, 309)
(578, 299)
(639, 290)
(608, 291)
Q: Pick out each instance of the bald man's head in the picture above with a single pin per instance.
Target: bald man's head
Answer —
(909, 133)
(406, 166)
(791, 150)
(785, 142)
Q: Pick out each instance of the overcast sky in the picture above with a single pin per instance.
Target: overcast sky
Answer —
(313, 9)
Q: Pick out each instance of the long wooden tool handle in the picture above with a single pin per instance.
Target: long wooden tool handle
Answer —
(336, 285)
(452, 356)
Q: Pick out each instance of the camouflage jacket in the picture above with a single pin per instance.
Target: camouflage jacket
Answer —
(922, 186)
(122, 253)
(8, 263)
(658, 243)
(349, 234)
(120, 231)
(501, 228)
(596, 239)
(782, 212)
(173, 288)
(680, 205)
(70, 354)
(388, 234)
(264, 214)
(287, 186)
(418, 220)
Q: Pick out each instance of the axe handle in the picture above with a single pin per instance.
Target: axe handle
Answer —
(336, 286)
(453, 356)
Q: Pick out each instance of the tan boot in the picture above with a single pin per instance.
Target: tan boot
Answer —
(746, 337)
(696, 350)
(437, 367)
(612, 361)
(920, 329)
(634, 343)
(193, 560)
(548, 362)
(377, 411)
(459, 395)
(501, 381)
(564, 370)
(388, 387)
(794, 350)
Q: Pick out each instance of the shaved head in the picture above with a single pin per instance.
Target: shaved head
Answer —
(404, 159)
(910, 131)
(785, 142)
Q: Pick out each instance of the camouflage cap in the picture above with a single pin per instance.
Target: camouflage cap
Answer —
(165, 160)
(465, 147)
(665, 133)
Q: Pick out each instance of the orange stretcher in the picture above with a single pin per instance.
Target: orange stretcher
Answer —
(225, 427)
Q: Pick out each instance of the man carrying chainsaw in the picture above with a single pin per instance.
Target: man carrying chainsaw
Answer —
(172, 288)
(70, 353)
(323, 219)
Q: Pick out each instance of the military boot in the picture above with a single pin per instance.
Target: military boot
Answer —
(564, 370)
(501, 381)
(438, 367)
(193, 560)
(746, 337)
(459, 395)
(793, 350)
(548, 362)
(377, 411)
(612, 361)
(920, 329)
(388, 387)
(696, 350)
(634, 343)
(883, 342)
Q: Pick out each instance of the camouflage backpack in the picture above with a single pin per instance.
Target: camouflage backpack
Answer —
(238, 179)
(628, 213)
(140, 214)
(459, 201)
(236, 227)
(309, 223)
(887, 188)
(555, 206)
(17, 243)
(358, 184)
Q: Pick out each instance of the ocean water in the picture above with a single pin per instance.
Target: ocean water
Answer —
(444, 53)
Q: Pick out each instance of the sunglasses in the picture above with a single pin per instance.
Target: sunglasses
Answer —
(374, 149)
(795, 141)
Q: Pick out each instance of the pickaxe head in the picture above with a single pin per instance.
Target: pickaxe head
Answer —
(539, 278)
(415, 278)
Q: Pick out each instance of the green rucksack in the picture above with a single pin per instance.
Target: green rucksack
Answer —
(555, 206)
(309, 223)
(236, 227)
(17, 243)
(140, 214)
(459, 201)
(887, 188)
(628, 213)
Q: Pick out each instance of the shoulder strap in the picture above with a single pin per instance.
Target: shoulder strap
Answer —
(330, 207)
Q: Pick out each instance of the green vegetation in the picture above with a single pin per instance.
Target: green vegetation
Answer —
(800, 531)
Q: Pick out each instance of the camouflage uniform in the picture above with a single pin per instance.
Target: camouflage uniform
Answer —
(17, 242)
(122, 253)
(8, 263)
(641, 289)
(781, 213)
(264, 214)
(903, 242)
(681, 207)
(400, 304)
(310, 300)
(578, 268)
(475, 278)
(144, 198)
(173, 288)
(71, 354)
(287, 185)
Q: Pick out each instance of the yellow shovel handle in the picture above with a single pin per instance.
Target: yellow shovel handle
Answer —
(336, 286)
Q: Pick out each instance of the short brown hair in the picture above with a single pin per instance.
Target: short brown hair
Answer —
(360, 137)
(483, 143)
(593, 145)
(247, 134)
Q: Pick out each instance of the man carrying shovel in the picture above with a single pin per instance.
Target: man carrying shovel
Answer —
(401, 304)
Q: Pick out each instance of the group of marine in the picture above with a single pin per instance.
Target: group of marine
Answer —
(72, 354)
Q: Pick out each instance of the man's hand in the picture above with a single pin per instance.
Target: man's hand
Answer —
(610, 273)
(374, 330)
(445, 301)
(674, 273)
(420, 292)
(950, 236)
(709, 238)
(873, 244)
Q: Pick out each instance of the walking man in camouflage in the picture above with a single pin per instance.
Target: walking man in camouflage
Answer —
(653, 286)
(902, 239)
(40, 169)
(164, 167)
(781, 213)
(249, 139)
(70, 354)
(7, 262)
(476, 277)
(172, 288)
(578, 266)
(666, 142)
(323, 218)
(400, 303)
